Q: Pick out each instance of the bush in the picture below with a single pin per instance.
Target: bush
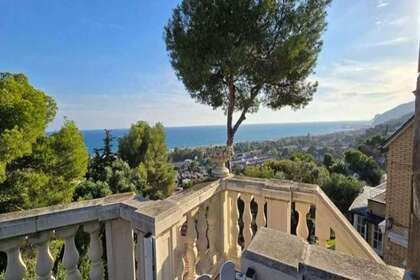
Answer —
(365, 166)
(342, 190)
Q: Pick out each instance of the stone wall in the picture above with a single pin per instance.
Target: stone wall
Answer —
(398, 196)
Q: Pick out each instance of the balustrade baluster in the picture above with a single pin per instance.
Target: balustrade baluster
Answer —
(15, 267)
(322, 226)
(247, 219)
(203, 265)
(71, 255)
(179, 263)
(45, 261)
(190, 247)
(261, 220)
(235, 249)
(212, 230)
(95, 251)
(302, 230)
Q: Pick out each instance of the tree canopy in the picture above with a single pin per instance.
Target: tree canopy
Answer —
(342, 190)
(36, 169)
(144, 149)
(298, 170)
(24, 114)
(238, 54)
(366, 167)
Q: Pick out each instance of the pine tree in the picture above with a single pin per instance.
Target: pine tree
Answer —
(144, 149)
(236, 54)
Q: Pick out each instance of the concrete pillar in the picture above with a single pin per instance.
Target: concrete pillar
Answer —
(279, 215)
(120, 249)
(163, 256)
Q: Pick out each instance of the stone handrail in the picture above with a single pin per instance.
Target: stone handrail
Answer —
(188, 234)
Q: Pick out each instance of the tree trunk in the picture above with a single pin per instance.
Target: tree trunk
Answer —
(230, 131)
(413, 261)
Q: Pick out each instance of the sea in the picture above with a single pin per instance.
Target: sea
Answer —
(196, 136)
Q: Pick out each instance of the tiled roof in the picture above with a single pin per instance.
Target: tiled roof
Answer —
(360, 204)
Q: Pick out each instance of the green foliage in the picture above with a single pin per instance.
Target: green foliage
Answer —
(372, 147)
(181, 154)
(339, 167)
(299, 171)
(262, 171)
(342, 190)
(365, 166)
(144, 148)
(238, 54)
(300, 156)
(101, 159)
(24, 114)
(331, 244)
(118, 178)
(49, 174)
(133, 147)
(90, 189)
(328, 160)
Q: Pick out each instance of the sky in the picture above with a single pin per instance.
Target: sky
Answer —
(106, 64)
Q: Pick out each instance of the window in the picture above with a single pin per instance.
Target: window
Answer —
(361, 226)
(377, 238)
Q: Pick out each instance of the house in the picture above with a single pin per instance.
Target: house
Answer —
(399, 147)
(368, 212)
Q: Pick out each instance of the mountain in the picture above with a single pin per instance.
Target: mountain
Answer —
(394, 113)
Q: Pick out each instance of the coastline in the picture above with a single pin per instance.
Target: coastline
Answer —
(205, 136)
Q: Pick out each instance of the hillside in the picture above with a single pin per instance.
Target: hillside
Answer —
(394, 113)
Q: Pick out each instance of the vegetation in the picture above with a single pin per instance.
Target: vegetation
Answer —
(294, 170)
(37, 169)
(237, 54)
(144, 149)
(334, 176)
(141, 165)
(342, 190)
(25, 113)
(364, 166)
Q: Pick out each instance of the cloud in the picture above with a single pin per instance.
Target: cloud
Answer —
(348, 90)
(382, 3)
(399, 21)
(354, 88)
(390, 42)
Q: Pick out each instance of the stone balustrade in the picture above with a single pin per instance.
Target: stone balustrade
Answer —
(36, 228)
(188, 234)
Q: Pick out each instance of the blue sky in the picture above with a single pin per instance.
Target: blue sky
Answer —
(106, 64)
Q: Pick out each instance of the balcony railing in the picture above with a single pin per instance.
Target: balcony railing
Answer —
(188, 234)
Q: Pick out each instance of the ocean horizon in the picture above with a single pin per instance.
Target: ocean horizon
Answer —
(198, 136)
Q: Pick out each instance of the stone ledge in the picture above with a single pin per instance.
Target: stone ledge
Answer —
(287, 256)
(48, 218)
(158, 216)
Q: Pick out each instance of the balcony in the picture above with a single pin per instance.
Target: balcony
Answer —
(192, 233)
